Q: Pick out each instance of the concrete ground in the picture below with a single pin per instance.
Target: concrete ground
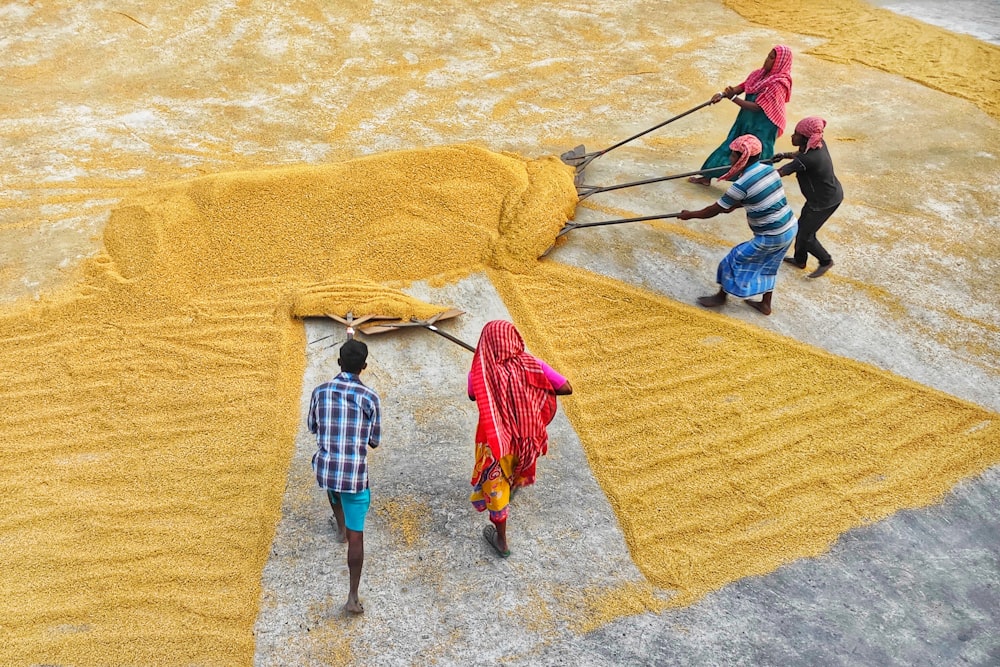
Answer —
(912, 293)
(921, 588)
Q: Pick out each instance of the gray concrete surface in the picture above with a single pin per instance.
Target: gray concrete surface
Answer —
(434, 592)
(921, 588)
(101, 97)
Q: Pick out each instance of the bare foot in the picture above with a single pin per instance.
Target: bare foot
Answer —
(712, 301)
(700, 180)
(353, 605)
(759, 306)
(341, 533)
(823, 268)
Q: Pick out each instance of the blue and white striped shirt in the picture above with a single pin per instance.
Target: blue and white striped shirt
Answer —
(759, 191)
(345, 416)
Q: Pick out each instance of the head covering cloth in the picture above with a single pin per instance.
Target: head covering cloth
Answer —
(515, 399)
(811, 128)
(773, 88)
(746, 145)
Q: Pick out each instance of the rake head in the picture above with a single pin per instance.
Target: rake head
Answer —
(392, 324)
(575, 156)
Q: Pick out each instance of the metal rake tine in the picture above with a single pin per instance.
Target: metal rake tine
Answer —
(575, 156)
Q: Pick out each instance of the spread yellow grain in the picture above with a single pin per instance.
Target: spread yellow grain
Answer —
(149, 408)
(937, 58)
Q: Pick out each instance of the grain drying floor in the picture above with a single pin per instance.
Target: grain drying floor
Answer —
(160, 394)
(726, 450)
(152, 391)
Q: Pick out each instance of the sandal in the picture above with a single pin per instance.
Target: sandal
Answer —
(490, 535)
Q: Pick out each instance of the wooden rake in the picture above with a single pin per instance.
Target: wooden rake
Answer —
(353, 324)
(429, 324)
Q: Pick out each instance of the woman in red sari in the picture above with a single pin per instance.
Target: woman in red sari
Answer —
(516, 396)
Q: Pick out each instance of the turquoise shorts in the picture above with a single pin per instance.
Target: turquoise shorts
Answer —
(355, 506)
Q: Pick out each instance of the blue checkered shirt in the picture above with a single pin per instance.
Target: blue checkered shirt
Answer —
(344, 415)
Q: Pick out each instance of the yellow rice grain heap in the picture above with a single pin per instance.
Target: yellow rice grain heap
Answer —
(150, 410)
(360, 298)
(160, 397)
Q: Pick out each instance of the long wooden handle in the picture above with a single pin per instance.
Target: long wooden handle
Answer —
(700, 172)
(655, 127)
(570, 227)
(450, 337)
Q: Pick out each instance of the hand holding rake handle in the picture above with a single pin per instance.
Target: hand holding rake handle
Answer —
(349, 321)
(580, 159)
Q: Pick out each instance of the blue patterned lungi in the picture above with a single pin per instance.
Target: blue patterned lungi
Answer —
(751, 267)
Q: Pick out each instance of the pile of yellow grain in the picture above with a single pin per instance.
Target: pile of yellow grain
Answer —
(360, 298)
(149, 411)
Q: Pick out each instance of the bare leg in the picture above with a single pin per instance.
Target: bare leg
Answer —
(355, 559)
(338, 514)
(495, 535)
(716, 299)
(764, 305)
(502, 534)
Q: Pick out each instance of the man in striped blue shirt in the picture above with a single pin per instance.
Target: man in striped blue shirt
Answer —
(345, 416)
(751, 267)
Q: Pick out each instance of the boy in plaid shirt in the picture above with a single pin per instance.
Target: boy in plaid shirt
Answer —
(345, 416)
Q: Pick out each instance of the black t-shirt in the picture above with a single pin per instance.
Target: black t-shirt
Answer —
(818, 183)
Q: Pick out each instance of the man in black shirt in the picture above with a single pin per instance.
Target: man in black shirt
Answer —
(813, 168)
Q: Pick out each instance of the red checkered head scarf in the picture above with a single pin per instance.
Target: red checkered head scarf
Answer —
(515, 399)
(773, 88)
(747, 146)
(812, 129)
